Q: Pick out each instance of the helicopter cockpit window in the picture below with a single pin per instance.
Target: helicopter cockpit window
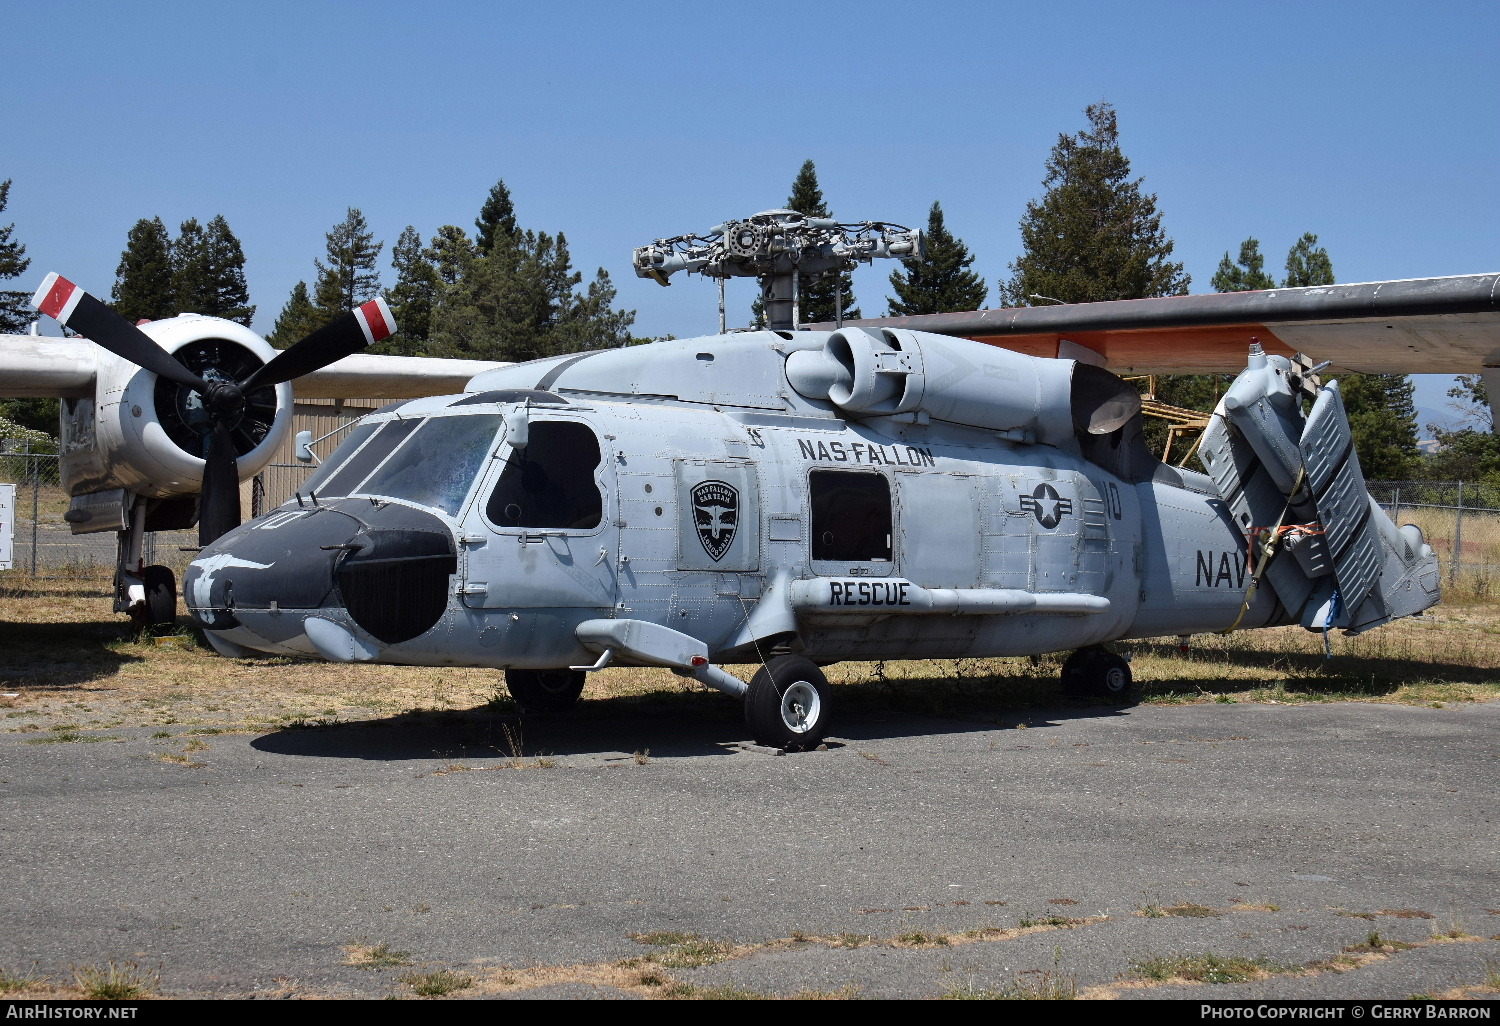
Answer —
(337, 458)
(437, 465)
(550, 483)
(345, 469)
(851, 516)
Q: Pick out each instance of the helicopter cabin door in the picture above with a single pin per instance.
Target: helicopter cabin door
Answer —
(551, 539)
(939, 528)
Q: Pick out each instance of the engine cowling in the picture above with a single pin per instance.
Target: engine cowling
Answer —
(148, 435)
(893, 371)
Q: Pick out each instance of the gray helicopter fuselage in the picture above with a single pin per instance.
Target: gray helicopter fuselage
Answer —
(688, 484)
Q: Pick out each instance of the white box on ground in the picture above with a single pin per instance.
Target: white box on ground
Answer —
(7, 525)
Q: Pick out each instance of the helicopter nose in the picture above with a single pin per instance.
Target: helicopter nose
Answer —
(384, 567)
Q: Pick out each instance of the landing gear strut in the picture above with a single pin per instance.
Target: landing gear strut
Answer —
(1095, 672)
(147, 593)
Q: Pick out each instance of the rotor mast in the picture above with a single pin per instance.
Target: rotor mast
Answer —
(784, 249)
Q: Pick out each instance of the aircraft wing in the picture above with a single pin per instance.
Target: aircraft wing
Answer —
(32, 365)
(1422, 326)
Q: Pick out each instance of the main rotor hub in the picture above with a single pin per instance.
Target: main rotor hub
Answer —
(782, 248)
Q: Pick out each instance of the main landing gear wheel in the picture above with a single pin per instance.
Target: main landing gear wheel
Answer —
(1094, 672)
(545, 690)
(787, 704)
(159, 611)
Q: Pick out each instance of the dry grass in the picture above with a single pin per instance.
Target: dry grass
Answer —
(79, 672)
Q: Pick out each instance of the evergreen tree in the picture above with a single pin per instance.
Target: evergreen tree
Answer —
(226, 294)
(497, 219)
(15, 307)
(412, 298)
(497, 310)
(1471, 401)
(589, 320)
(1383, 420)
(1248, 274)
(192, 288)
(1307, 263)
(350, 276)
(143, 281)
(520, 302)
(1095, 235)
(450, 253)
(943, 282)
(299, 318)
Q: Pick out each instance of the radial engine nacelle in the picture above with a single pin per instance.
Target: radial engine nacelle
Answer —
(149, 435)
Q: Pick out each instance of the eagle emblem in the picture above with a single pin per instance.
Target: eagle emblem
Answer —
(716, 512)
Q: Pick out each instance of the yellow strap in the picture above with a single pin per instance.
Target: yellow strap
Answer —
(1267, 550)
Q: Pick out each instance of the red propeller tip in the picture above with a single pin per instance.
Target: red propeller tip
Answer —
(57, 298)
(375, 320)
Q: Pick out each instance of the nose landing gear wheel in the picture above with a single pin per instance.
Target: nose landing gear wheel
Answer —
(1094, 672)
(159, 611)
(787, 704)
(544, 690)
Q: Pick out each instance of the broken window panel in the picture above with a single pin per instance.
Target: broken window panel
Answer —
(550, 483)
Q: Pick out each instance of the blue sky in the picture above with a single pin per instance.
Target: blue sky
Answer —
(1373, 124)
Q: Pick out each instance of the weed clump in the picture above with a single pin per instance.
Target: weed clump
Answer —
(115, 981)
(1205, 968)
(438, 983)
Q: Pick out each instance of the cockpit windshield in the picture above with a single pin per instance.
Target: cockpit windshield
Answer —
(437, 465)
(431, 461)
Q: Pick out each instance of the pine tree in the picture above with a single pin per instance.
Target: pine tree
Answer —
(1307, 263)
(450, 253)
(1248, 274)
(192, 290)
(1383, 421)
(226, 294)
(143, 281)
(350, 276)
(15, 307)
(299, 318)
(412, 298)
(1094, 235)
(497, 219)
(521, 302)
(943, 282)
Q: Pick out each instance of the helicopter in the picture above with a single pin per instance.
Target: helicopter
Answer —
(971, 484)
(797, 496)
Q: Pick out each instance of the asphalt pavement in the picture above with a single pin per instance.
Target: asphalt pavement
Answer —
(913, 858)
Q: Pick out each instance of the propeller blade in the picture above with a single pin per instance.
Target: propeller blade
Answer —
(219, 507)
(349, 333)
(60, 299)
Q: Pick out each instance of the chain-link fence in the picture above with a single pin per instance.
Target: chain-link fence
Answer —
(1460, 520)
(45, 545)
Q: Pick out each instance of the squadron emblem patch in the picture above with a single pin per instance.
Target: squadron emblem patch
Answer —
(716, 511)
